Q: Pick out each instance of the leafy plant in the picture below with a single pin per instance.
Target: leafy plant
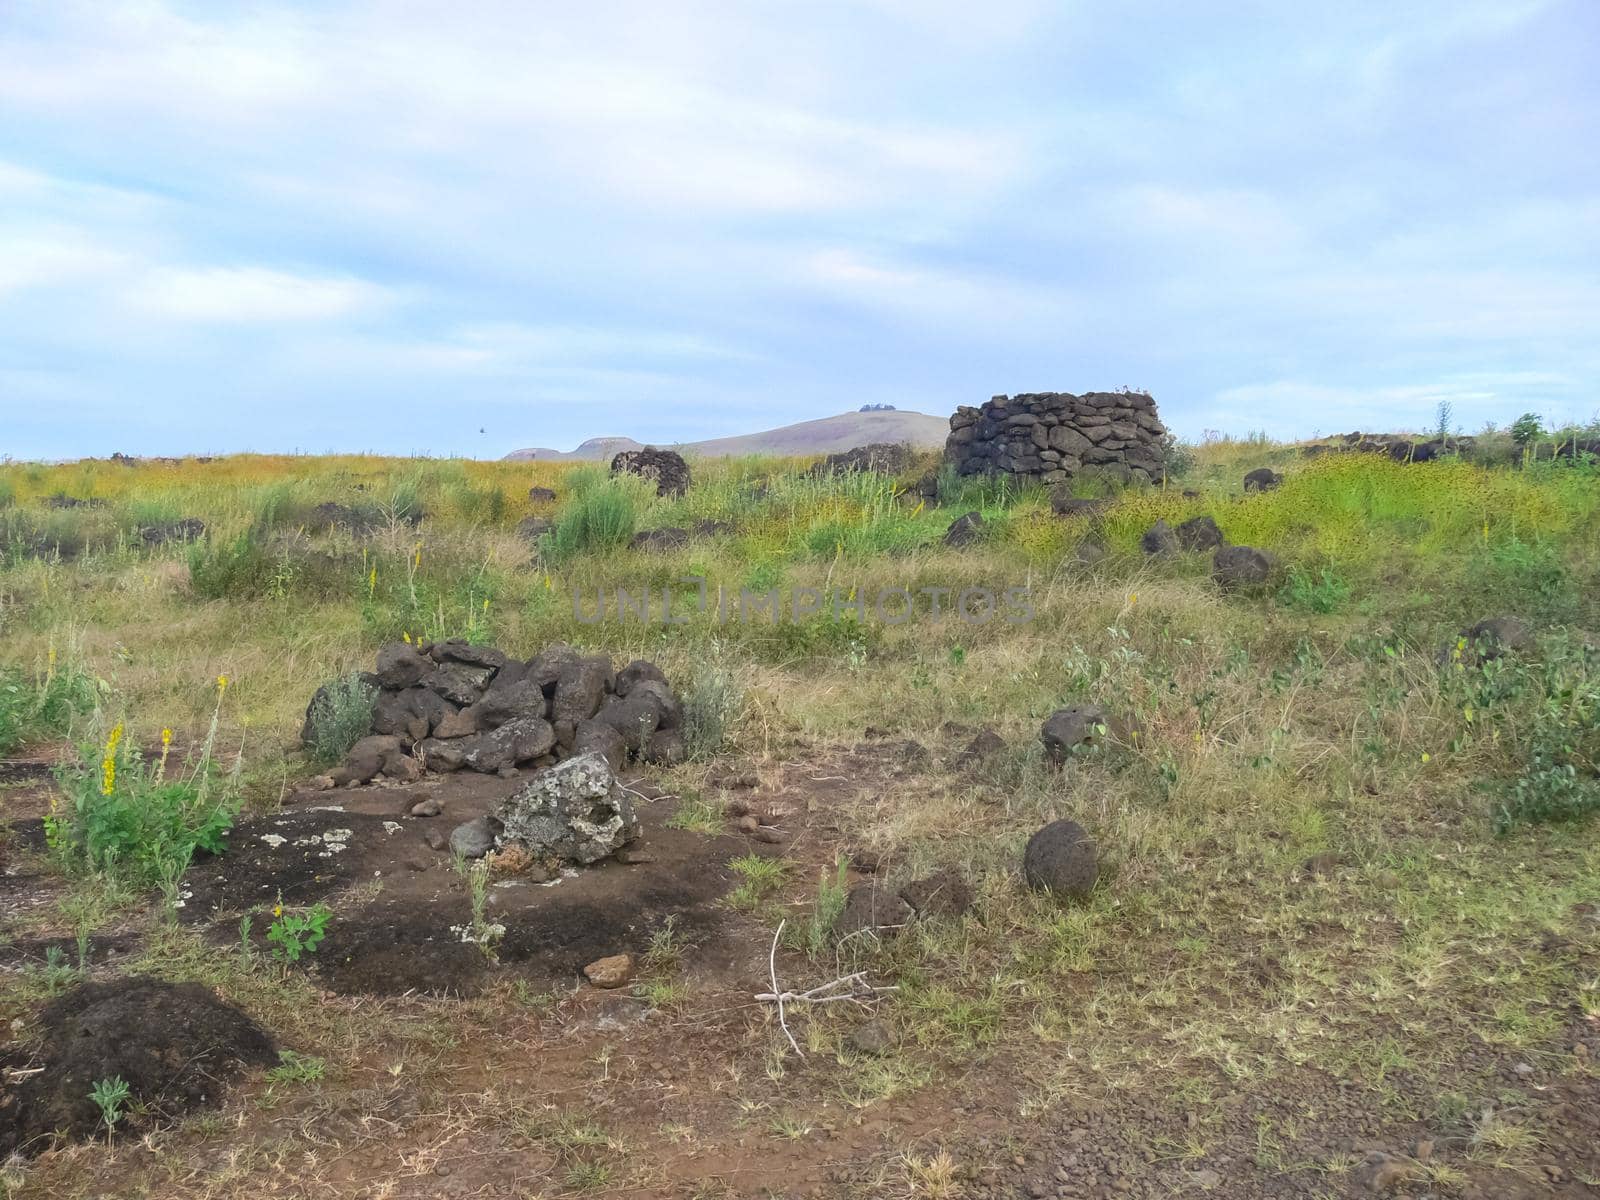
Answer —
(297, 1068)
(602, 514)
(127, 819)
(109, 1095)
(294, 935)
(44, 706)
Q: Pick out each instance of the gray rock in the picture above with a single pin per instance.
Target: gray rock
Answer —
(1199, 533)
(575, 811)
(594, 736)
(1159, 539)
(579, 689)
(1061, 858)
(545, 667)
(669, 707)
(504, 701)
(871, 909)
(637, 672)
(1067, 729)
(964, 530)
(400, 666)
(1262, 479)
(665, 748)
(872, 1037)
(459, 683)
(473, 839)
(1240, 566)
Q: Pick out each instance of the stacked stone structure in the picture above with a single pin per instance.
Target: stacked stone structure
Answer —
(1054, 436)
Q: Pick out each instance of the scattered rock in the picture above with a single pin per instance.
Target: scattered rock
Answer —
(1240, 566)
(1381, 1172)
(964, 530)
(1159, 540)
(1199, 533)
(986, 744)
(670, 538)
(189, 529)
(665, 467)
(634, 856)
(473, 839)
(541, 495)
(872, 1037)
(1262, 479)
(427, 808)
(1069, 731)
(871, 909)
(400, 666)
(1062, 858)
(531, 529)
(575, 811)
(610, 972)
(1491, 638)
(945, 893)
(1064, 504)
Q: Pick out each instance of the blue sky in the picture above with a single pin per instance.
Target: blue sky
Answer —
(389, 224)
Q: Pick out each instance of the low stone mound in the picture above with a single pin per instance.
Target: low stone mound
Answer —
(886, 458)
(451, 706)
(1240, 567)
(1262, 479)
(665, 468)
(188, 529)
(174, 1044)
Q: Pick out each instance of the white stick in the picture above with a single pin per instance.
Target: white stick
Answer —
(772, 966)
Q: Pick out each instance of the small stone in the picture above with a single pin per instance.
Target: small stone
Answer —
(473, 839)
(768, 835)
(610, 972)
(427, 808)
(1205, 1179)
(435, 840)
(1384, 1172)
(508, 773)
(748, 825)
(630, 856)
(1523, 1070)
(873, 1037)
(1424, 1150)
(322, 783)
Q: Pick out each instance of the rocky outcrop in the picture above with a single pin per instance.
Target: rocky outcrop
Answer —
(1055, 436)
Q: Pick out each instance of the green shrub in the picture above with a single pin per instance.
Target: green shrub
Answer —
(1322, 591)
(1559, 778)
(342, 717)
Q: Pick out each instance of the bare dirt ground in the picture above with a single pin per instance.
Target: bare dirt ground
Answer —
(442, 1072)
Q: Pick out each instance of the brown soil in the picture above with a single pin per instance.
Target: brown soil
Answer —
(403, 915)
(175, 1045)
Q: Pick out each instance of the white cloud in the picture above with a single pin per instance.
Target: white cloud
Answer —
(252, 294)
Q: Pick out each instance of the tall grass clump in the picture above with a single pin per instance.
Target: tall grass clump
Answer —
(602, 514)
(135, 820)
(711, 705)
(46, 705)
(340, 716)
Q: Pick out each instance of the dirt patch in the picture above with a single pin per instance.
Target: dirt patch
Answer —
(174, 1044)
(402, 914)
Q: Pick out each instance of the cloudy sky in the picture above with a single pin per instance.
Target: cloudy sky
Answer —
(404, 225)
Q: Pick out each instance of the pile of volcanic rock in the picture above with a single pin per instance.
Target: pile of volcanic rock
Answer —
(450, 706)
(1231, 566)
(1055, 436)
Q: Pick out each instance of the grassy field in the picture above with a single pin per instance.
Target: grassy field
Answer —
(1347, 901)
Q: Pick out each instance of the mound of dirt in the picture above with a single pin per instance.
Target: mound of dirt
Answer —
(174, 1044)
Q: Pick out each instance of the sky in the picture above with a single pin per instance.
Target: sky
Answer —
(402, 226)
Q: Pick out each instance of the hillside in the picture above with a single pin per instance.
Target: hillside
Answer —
(826, 435)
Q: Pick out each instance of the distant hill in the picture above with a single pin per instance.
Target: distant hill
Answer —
(827, 435)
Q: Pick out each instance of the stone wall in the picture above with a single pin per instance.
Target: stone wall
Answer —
(1053, 436)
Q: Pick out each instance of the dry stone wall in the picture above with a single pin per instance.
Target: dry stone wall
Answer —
(1053, 436)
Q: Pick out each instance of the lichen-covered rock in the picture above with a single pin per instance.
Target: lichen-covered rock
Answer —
(665, 468)
(457, 682)
(575, 811)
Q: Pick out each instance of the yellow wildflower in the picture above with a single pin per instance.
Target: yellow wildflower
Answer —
(1426, 757)
(222, 684)
(108, 766)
